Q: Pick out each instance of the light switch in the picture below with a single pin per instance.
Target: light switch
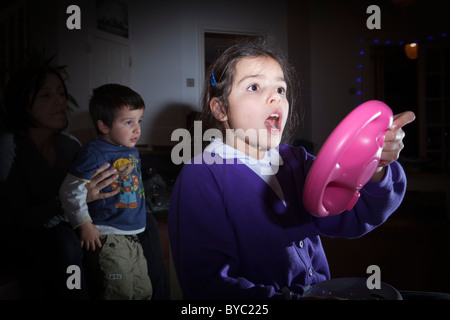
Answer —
(190, 82)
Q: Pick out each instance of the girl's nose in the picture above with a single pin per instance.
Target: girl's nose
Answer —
(274, 97)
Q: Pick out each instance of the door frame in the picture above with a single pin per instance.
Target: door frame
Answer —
(202, 29)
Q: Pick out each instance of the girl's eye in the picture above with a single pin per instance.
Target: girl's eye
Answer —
(281, 90)
(128, 123)
(253, 87)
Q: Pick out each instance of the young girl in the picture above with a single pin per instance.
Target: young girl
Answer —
(239, 231)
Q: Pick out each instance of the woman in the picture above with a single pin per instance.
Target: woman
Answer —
(38, 244)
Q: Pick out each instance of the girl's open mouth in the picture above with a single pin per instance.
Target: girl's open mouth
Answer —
(273, 122)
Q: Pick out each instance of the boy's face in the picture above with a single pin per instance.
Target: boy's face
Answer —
(126, 127)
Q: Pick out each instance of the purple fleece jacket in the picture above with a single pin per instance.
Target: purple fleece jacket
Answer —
(232, 238)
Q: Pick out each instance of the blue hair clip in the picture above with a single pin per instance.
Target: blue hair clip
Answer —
(212, 79)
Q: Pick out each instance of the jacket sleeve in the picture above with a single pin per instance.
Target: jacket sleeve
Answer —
(377, 202)
(73, 199)
(18, 183)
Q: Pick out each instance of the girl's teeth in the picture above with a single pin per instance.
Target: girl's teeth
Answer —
(274, 127)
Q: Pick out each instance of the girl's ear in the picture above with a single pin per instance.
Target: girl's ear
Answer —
(102, 127)
(216, 107)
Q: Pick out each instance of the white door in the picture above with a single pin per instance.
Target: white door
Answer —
(109, 62)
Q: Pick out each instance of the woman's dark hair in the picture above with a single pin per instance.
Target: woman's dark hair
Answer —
(107, 99)
(221, 74)
(21, 93)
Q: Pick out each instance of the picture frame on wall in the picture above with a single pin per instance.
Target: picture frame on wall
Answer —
(112, 17)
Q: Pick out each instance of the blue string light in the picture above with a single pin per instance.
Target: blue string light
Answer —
(360, 65)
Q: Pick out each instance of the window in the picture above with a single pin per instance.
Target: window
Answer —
(434, 106)
(421, 85)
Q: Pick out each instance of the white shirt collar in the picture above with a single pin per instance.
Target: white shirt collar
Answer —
(266, 168)
(271, 157)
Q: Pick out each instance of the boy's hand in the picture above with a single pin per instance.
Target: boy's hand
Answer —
(393, 142)
(89, 236)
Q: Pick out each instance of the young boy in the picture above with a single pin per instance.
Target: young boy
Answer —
(108, 228)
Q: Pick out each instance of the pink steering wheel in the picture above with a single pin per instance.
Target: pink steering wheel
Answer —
(347, 160)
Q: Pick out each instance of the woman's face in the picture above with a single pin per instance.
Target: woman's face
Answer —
(49, 109)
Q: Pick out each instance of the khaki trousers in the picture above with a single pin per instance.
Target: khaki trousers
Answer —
(120, 269)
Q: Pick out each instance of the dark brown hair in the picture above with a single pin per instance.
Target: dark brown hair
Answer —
(21, 93)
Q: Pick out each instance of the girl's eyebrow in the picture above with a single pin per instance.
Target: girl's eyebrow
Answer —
(259, 76)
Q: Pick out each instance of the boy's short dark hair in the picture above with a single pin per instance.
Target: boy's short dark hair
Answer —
(107, 99)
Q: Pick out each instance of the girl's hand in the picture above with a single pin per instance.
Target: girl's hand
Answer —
(89, 236)
(100, 179)
(393, 142)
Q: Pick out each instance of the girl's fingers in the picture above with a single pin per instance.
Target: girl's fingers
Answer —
(402, 119)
